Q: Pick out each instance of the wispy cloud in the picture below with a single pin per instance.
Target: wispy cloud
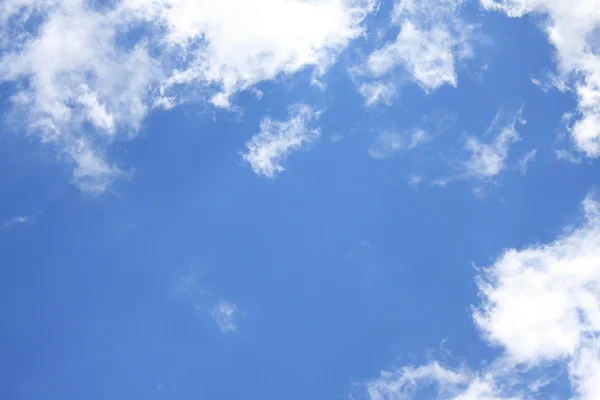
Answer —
(83, 96)
(18, 220)
(525, 160)
(267, 150)
(540, 306)
(488, 154)
(414, 180)
(388, 143)
(432, 39)
(489, 159)
(378, 93)
(572, 29)
(224, 314)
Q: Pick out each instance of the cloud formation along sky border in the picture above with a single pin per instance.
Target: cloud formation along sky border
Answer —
(128, 58)
(538, 305)
(83, 95)
(572, 28)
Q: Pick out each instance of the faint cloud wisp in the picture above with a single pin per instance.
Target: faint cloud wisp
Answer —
(224, 314)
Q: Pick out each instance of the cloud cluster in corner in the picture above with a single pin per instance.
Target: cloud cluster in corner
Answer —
(541, 306)
(88, 73)
(268, 149)
(432, 38)
(573, 28)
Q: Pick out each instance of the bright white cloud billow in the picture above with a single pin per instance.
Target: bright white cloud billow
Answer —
(573, 28)
(542, 303)
(267, 150)
(88, 74)
(431, 40)
(541, 306)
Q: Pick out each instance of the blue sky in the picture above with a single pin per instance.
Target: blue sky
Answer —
(334, 199)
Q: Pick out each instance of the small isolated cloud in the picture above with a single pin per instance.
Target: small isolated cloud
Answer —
(431, 40)
(126, 57)
(489, 159)
(414, 180)
(573, 28)
(18, 220)
(378, 93)
(388, 143)
(540, 306)
(267, 150)
(224, 314)
(524, 162)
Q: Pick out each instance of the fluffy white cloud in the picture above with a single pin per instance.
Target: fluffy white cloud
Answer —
(87, 73)
(541, 306)
(388, 143)
(431, 40)
(489, 159)
(573, 28)
(542, 303)
(267, 150)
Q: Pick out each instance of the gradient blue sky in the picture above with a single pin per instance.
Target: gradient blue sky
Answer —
(335, 199)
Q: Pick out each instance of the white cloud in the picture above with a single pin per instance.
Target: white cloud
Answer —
(489, 159)
(431, 40)
(573, 28)
(542, 303)
(527, 158)
(247, 42)
(414, 180)
(541, 306)
(267, 150)
(18, 220)
(388, 143)
(89, 74)
(377, 92)
(224, 314)
(404, 382)
(447, 383)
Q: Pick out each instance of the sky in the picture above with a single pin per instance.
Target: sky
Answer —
(299, 199)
